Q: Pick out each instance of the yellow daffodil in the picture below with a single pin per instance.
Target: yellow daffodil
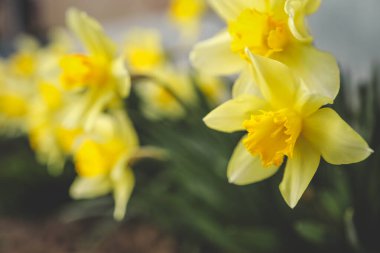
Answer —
(212, 88)
(14, 99)
(143, 51)
(102, 160)
(160, 94)
(48, 137)
(187, 14)
(284, 120)
(274, 29)
(99, 75)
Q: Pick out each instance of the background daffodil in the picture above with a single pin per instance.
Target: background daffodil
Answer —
(100, 76)
(285, 120)
(102, 160)
(272, 29)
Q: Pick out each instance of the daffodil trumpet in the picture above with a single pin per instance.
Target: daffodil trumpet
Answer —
(284, 118)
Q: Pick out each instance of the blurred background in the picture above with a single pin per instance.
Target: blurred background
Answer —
(186, 213)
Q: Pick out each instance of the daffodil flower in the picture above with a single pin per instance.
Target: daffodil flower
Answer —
(274, 29)
(165, 94)
(99, 75)
(102, 160)
(50, 140)
(284, 120)
(187, 14)
(143, 51)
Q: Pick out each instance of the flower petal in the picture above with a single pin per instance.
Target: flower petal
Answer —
(228, 9)
(299, 171)
(275, 80)
(90, 33)
(90, 187)
(334, 138)
(245, 84)
(244, 168)
(297, 10)
(214, 56)
(123, 184)
(229, 116)
(318, 70)
(121, 77)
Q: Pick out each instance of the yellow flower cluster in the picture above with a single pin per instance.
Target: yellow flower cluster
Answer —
(71, 106)
(165, 89)
(280, 98)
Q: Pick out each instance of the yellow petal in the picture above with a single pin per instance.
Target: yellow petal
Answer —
(122, 78)
(91, 187)
(244, 168)
(127, 130)
(275, 80)
(318, 70)
(297, 11)
(228, 9)
(229, 116)
(334, 138)
(123, 184)
(214, 56)
(90, 33)
(245, 84)
(299, 171)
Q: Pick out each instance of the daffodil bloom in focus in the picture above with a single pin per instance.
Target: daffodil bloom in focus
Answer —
(143, 51)
(102, 160)
(274, 29)
(98, 74)
(285, 120)
(187, 14)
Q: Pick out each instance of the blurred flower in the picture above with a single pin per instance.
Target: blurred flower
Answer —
(21, 75)
(163, 88)
(102, 160)
(285, 120)
(143, 51)
(275, 30)
(187, 14)
(48, 137)
(166, 94)
(213, 88)
(99, 76)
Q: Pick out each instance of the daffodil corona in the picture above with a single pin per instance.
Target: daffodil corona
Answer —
(275, 30)
(283, 119)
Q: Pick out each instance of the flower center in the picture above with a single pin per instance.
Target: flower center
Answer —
(80, 71)
(143, 59)
(260, 32)
(272, 135)
(185, 10)
(95, 158)
(13, 105)
(23, 64)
